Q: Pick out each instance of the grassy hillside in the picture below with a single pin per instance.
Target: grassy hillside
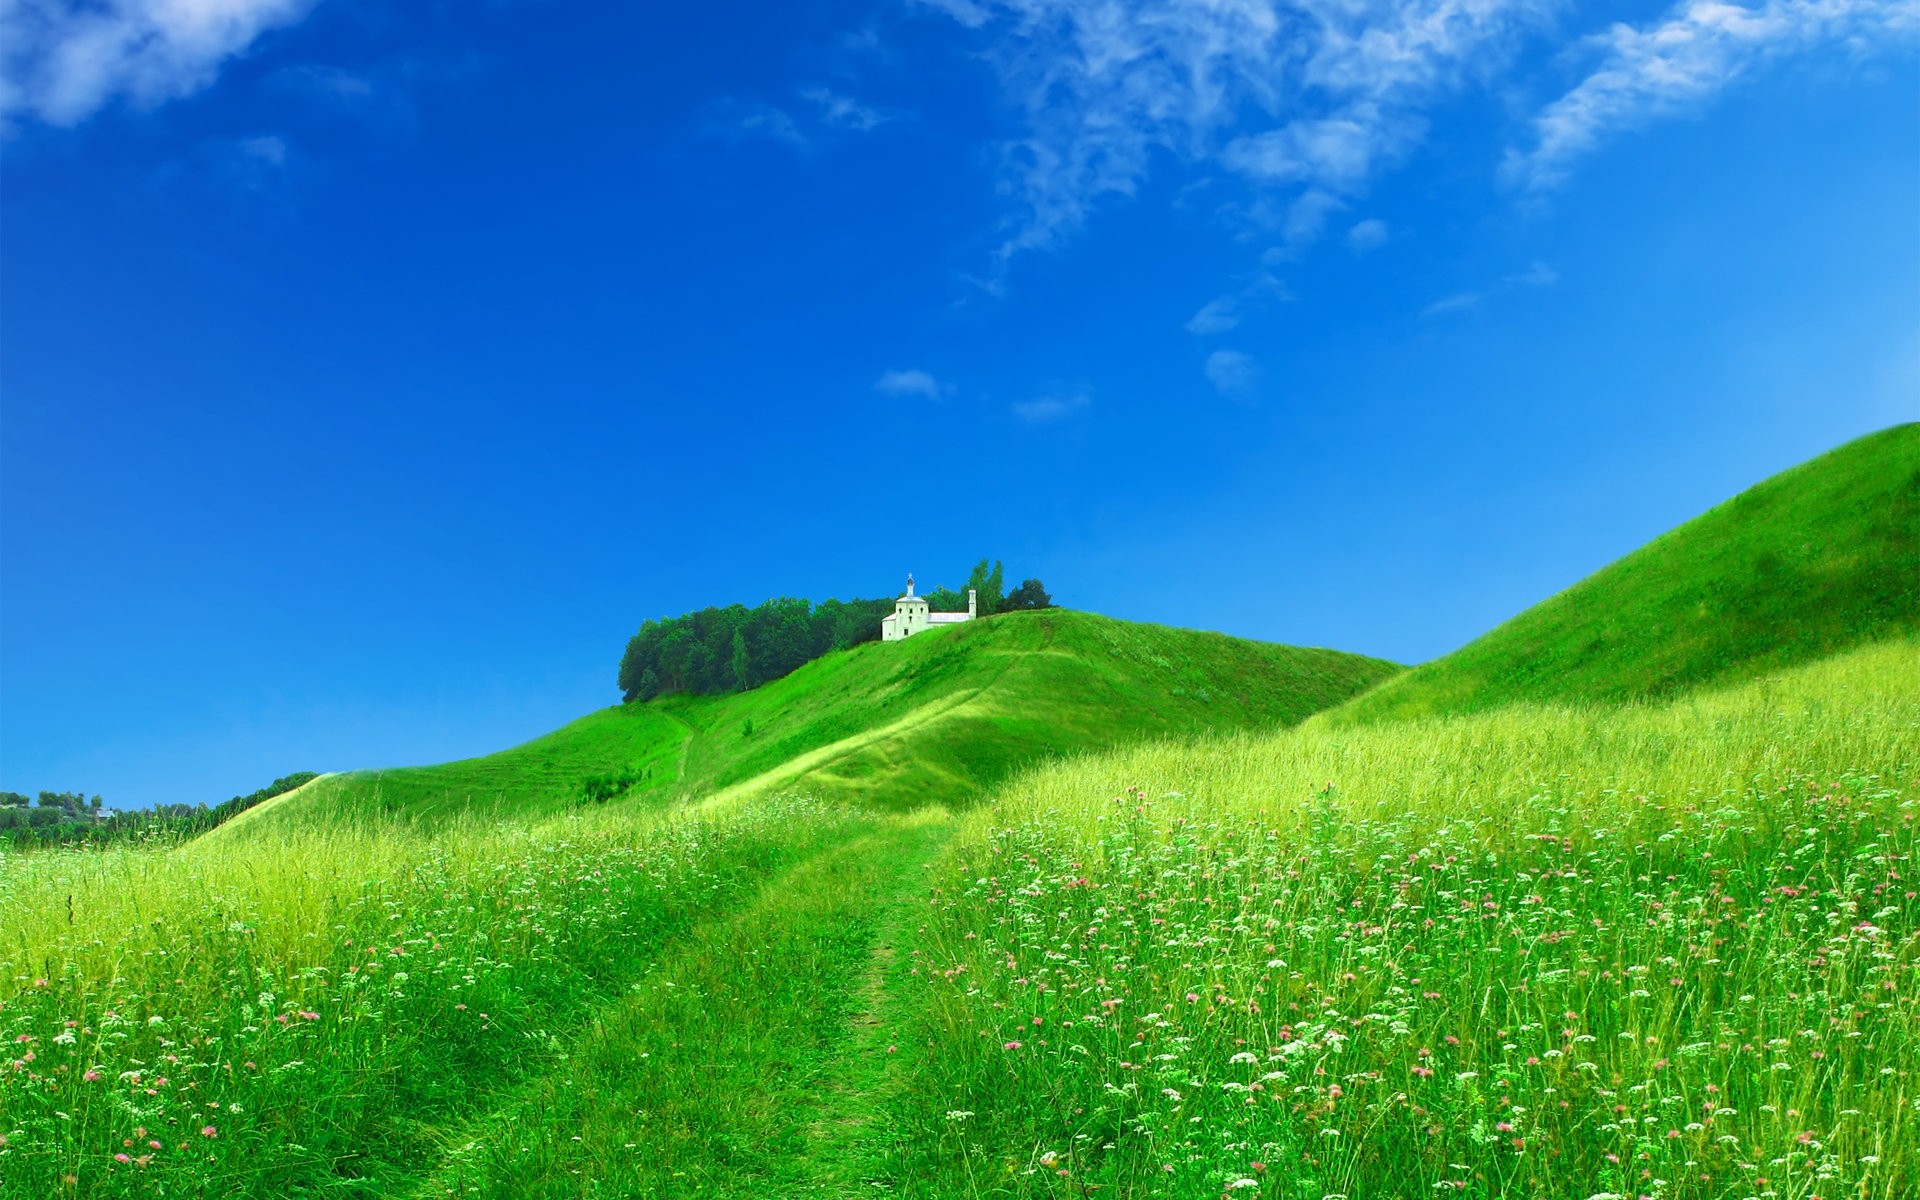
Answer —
(1645, 950)
(936, 719)
(1812, 561)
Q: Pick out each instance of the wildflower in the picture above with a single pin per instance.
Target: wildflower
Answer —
(208, 1131)
(1011, 1046)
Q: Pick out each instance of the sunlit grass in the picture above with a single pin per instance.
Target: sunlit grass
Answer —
(1660, 951)
(307, 1013)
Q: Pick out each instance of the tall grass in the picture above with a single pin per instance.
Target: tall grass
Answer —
(1656, 951)
(302, 1009)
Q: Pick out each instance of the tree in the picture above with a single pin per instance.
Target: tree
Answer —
(1029, 595)
(989, 583)
(742, 662)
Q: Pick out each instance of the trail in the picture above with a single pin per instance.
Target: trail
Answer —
(802, 764)
(746, 1063)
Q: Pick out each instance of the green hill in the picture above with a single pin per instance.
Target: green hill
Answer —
(936, 719)
(1815, 560)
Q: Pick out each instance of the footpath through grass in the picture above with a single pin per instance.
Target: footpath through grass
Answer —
(938, 719)
(743, 1065)
(313, 1017)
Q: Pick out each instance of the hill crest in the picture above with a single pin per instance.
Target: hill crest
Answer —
(1808, 563)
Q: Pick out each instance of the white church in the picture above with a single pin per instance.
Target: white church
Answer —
(910, 616)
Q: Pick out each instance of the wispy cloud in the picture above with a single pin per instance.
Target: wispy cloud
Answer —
(1311, 97)
(63, 60)
(1309, 102)
(912, 382)
(1685, 59)
(258, 163)
(824, 114)
(331, 84)
(1055, 405)
(1219, 315)
(733, 119)
(1368, 235)
(1537, 275)
(1233, 374)
(1224, 313)
(843, 112)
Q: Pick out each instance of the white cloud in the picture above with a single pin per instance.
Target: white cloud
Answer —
(830, 113)
(1370, 234)
(1292, 95)
(1537, 275)
(1234, 374)
(63, 60)
(1688, 57)
(1459, 302)
(270, 150)
(1056, 405)
(843, 112)
(326, 83)
(1215, 316)
(1224, 313)
(1308, 216)
(967, 12)
(733, 119)
(911, 382)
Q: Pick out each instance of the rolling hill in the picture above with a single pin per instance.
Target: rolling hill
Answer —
(1809, 563)
(936, 719)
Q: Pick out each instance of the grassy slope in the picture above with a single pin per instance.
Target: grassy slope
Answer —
(938, 718)
(1810, 562)
(1530, 946)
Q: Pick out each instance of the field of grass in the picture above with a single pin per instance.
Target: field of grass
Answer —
(1803, 565)
(935, 719)
(1059, 906)
(319, 1013)
(1647, 951)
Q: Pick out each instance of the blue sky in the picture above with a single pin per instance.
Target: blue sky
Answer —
(369, 371)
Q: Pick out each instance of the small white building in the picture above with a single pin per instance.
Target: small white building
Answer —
(910, 616)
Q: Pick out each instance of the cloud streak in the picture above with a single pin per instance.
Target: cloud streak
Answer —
(1537, 275)
(1314, 97)
(1056, 405)
(912, 382)
(1683, 61)
(61, 61)
(1310, 102)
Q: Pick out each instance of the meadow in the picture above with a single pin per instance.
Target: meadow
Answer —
(314, 1014)
(1618, 902)
(1655, 951)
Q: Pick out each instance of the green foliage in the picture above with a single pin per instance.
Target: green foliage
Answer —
(598, 789)
(69, 818)
(1030, 595)
(735, 648)
(1808, 563)
(989, 585)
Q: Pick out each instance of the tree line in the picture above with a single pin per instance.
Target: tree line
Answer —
(64, 818)
(735, 648)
